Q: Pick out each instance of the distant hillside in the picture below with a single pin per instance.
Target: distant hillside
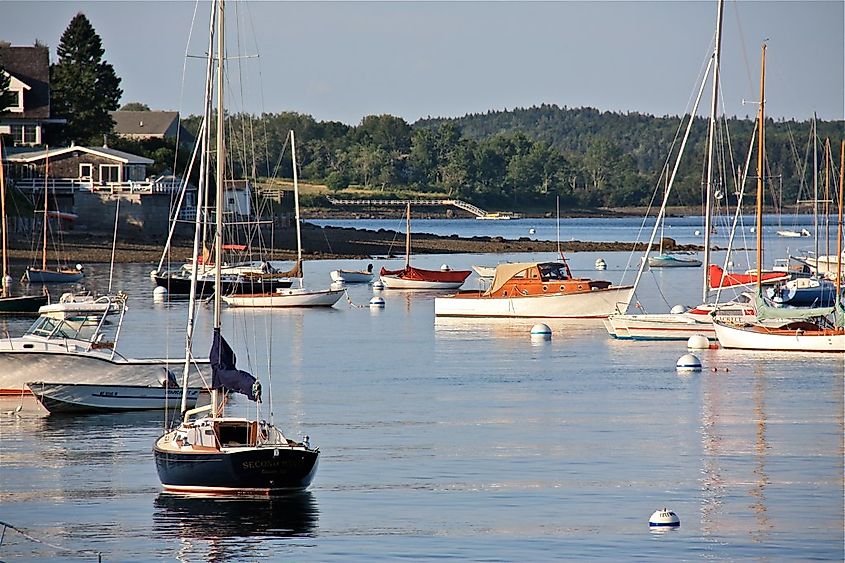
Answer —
(646, 139)
(523, 159)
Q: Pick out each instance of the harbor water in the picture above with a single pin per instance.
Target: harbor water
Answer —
(452, 438)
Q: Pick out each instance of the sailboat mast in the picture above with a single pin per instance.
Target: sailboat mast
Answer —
(827, 156)
(296, 206)
(408, 235)
(44, 222)
(815, 188)
(839, 233)
(218, 176)
(708, 206)
(761, 155)
(3, 287)
(200, 217)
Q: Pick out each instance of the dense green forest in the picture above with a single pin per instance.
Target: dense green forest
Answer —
(523, 158)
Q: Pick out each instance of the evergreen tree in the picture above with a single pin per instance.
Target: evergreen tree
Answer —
(84, 86)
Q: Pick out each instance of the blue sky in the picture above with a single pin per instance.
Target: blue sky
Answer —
(344, 60)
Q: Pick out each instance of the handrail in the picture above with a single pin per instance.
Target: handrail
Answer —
(475, 210)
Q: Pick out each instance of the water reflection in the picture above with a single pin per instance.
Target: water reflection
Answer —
(207, 525)
(761, 478)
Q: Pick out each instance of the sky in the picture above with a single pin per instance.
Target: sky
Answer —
(344, 60)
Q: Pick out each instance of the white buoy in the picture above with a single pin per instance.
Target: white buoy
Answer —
(377, 303)
(698, 233)
(601, 264)
(698, 342)
(159, 293)
(153, 274)
(531, 231)
(541, 332)
(688, 362)
(678, 309)
(378, 285)
(445, 268)
(752, 229)
(664, 518)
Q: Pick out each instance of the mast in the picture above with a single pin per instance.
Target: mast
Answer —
(44, 223)
(296, 205)
(815, 188)
(827, 155)
(4, 288)
(200, 217)
(839, 232)
(218, 214)
(761, 150)
(408, 235)
(708, 206)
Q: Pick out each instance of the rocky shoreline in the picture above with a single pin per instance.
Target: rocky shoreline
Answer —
(318, 243)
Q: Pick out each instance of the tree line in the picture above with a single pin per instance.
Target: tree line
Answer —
(525, 158)
(520, 159)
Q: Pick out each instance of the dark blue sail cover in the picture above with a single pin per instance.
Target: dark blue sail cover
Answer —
(224, 374)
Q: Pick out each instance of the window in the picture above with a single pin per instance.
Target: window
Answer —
(86, 171)
(23, 134)
(109, 173)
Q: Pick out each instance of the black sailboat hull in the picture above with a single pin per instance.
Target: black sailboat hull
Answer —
(182, 285)
(264, 470)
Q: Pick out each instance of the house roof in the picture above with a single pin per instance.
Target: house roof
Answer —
(34, 155)
(144, 122)
(30, 65)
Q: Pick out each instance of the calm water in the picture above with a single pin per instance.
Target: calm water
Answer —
(454, 439)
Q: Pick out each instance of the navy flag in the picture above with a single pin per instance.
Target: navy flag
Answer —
(224, 374)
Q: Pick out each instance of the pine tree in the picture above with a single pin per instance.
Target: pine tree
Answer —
(84, 86)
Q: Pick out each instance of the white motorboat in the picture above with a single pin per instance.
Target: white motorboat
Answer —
(69, 342)
(92, 398)
(353, 276)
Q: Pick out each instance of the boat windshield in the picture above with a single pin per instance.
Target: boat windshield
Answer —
(552, 271)
(75, 328)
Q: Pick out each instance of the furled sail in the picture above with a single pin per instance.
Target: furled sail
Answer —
(224, 374)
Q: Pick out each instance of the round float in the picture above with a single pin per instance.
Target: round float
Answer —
(688, 362)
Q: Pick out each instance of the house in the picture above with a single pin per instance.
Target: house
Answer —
(28, 69)
(78, 167)
(89, 181)
(139, 125)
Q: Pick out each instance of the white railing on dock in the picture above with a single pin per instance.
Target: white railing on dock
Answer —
(475, 210)
(65, 185)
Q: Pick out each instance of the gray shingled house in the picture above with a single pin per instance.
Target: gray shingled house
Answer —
(28, 69)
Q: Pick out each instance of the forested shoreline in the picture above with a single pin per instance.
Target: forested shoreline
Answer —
(521, 159)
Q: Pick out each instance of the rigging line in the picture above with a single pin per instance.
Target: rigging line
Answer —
(748, 75)
(702, 76)
(48, 544)
(182, 89)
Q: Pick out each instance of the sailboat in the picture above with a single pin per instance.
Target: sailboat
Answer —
(291, 296)
(670, 259)
(42, 274)
(681, 324)
(417, 278)
(808, 330)
(209, 451)
(13, 304)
